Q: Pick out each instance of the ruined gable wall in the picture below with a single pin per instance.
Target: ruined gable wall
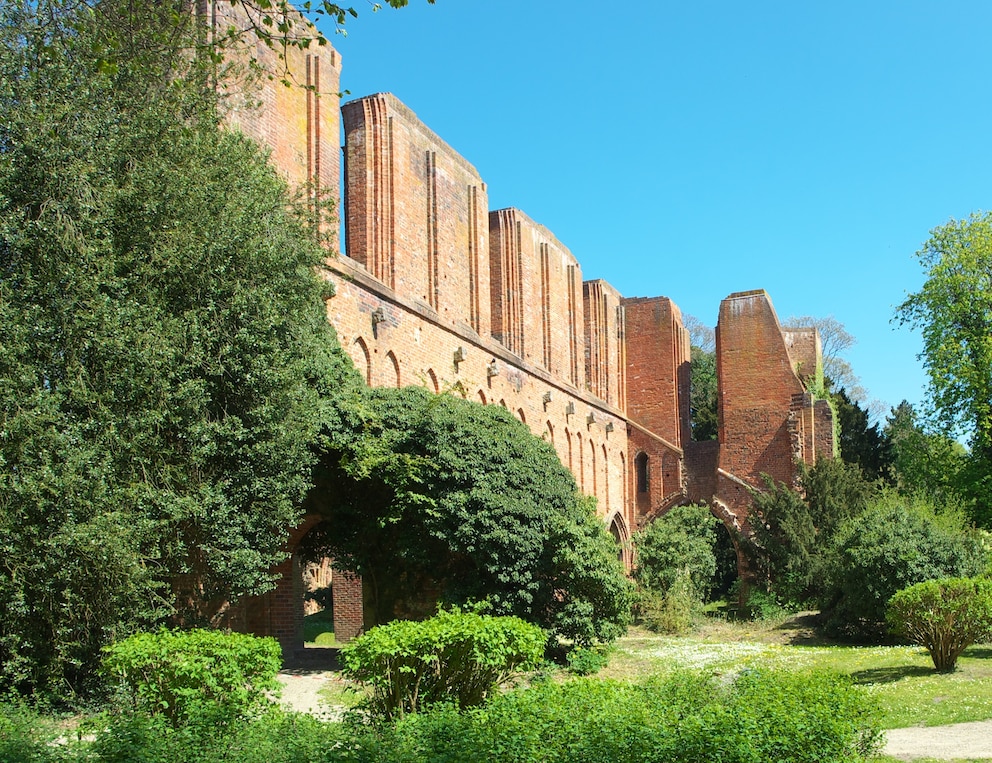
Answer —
(658, 367)
(758, 389)
(805, 350)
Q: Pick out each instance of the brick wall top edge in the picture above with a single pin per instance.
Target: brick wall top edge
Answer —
(641, 300)
(401, 110)
(605, 286)
(517, 215)
(350, 270)
(224, 11)
(748, 294)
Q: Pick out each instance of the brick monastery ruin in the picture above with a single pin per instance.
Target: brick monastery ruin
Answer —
(436, 289)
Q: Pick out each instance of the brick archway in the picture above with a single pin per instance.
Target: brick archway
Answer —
(280, 612)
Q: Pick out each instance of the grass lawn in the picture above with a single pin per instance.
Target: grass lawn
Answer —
(902, 678)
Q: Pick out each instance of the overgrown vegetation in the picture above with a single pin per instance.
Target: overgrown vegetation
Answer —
(675, 567)
(793, 530)
(435, 498)
(682, 716)
(165, 359)
(847, 545)
(892, 545)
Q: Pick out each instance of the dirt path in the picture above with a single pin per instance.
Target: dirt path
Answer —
(962, 740)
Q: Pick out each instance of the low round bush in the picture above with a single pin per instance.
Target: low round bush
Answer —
(195, 676)
(456, 657)
(944, 616)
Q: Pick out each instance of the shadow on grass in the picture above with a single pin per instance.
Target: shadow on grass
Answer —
(804, 630)
(891, 675)
(983, 652)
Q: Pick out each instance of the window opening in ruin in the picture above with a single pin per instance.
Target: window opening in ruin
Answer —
(619, 533)
(726, 564)
(367, 358)
(592, 454)
(606, 479)
(642, 471)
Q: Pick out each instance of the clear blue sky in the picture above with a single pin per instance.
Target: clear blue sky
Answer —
(694, 149)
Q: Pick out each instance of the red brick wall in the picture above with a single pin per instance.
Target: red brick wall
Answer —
(299, 124)
(768, 421)
(605, 343)
(416, 213)
(437, 291)
(805, 351)
(349, 611)
(411, 344)
(756, 386)
(536, 296)
(661, 463)
(658, 368)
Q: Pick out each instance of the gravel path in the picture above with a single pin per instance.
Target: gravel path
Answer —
(301, 689)
(960, 740)
(300, 692)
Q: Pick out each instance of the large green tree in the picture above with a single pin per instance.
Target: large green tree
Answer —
(435, 498)
(793, 530)
(679, 542)
(953, 311)
(926, 464)
(862, 443)
(165, 363)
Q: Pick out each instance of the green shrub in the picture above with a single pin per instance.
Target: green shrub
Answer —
(584, 661)
(945, 616)
(197, 676)
(272, 736)
(684, 717)
(672, 612)
(455, 656)
(892, 545)
(759, 605)
(676, 544)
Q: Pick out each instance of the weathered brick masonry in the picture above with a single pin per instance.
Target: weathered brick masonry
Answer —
(436, 290)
